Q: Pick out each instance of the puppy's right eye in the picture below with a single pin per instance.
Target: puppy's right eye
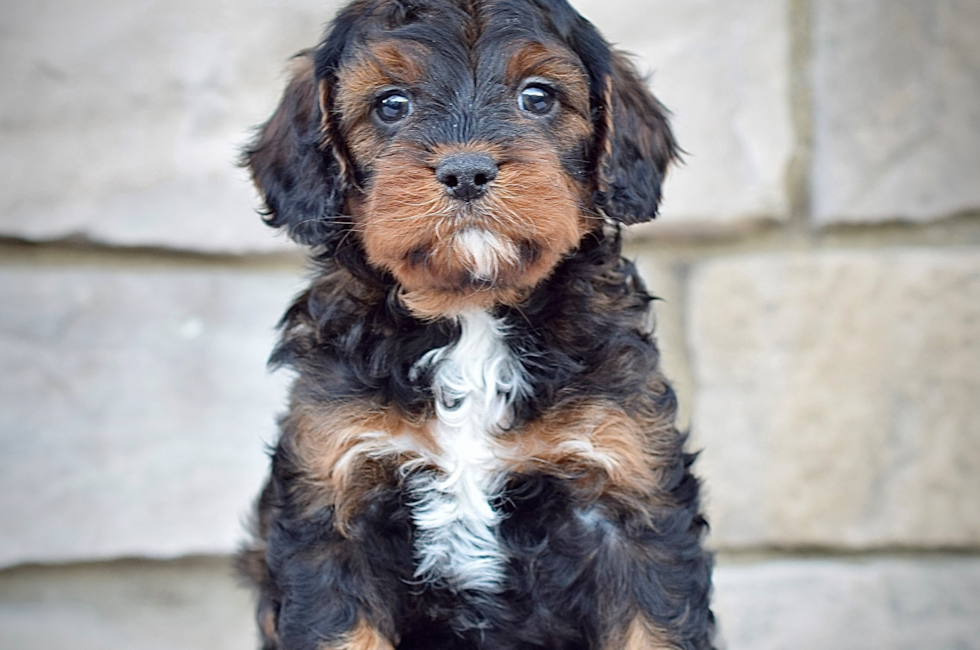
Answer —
(536, 99)
(393, 107)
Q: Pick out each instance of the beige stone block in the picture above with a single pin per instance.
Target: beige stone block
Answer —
(896, 91)
(123, 119)
(899, 604)
(723, 69)
(188, 605)
(134, 407)
(837, 397)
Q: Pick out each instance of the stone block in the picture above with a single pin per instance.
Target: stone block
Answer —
(723, 69)
(188, 605)
(134, 407)
(123, 120)
(900, 604)
(896, 91)
(837, 397)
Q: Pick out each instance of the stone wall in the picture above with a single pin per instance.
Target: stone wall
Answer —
(818, 257)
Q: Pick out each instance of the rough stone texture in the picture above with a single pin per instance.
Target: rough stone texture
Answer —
(896, 87)
(134, 407)
(765, 605)
(723, 68)
(122, 119)
(820, 604)
(837, 397)
(188, 605)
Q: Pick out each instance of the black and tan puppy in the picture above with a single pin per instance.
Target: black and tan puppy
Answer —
(479, 450)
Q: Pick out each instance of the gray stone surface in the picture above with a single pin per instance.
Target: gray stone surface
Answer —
(837, 397)
(762, 605)
(188, 605)
(134, 407)
(122, 119)
(900, 604)
(723, 68)
(896, 88)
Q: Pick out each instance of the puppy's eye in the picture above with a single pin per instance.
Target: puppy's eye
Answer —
(537, 100)
(393, 107)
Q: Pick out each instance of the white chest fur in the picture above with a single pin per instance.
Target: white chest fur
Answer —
(476, 381)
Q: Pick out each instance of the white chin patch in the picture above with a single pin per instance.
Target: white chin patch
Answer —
(483, 252)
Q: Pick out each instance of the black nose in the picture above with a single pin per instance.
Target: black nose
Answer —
(466, 175)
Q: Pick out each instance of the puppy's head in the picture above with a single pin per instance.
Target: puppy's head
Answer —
(465, 145)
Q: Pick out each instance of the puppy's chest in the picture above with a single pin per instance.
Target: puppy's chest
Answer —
(475, 382)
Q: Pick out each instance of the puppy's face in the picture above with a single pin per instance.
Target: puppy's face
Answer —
(472, 158)
(471, 144)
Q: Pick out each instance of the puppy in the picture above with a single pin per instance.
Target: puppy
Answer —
(479, 450)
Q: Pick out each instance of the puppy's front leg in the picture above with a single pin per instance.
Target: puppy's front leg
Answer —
(664, 582)
(338, 592)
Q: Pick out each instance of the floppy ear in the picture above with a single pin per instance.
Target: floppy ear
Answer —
(634, 145)
(294, 165)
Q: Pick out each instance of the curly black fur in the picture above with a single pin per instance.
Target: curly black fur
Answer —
(563, 573)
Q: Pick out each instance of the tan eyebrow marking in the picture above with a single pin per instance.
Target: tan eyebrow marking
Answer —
(534, 59)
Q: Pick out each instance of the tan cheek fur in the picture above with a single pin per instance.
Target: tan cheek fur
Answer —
(408, 224)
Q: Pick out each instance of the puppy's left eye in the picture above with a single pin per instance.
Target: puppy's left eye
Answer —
(393, 107)
(537, 99)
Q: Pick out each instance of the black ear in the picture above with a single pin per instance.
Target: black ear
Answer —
(634, 145)
(294, 164)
